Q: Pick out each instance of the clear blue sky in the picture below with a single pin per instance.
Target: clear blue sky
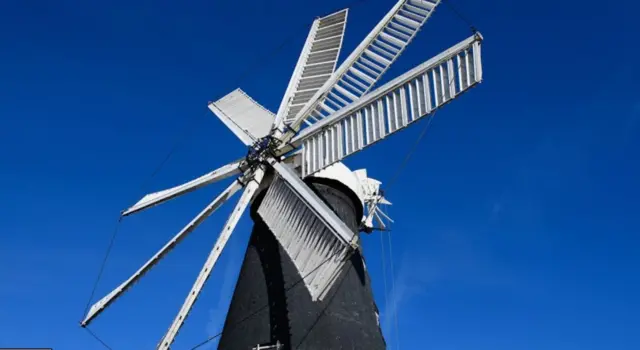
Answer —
(517, 220)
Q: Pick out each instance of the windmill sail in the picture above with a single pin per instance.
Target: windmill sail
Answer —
(315, 239)
(226, 232)
(156, 198)
(98, 307)
(247, 119)
(369, 61)
(315, 64)
(392, 107)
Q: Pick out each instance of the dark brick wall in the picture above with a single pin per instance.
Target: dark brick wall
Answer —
(270, 303)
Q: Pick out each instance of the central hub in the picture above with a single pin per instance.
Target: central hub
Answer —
(262, 149)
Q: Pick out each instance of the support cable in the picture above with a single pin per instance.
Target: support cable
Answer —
(410, 153)
(458, 13)
(95, 336)
(102, 265)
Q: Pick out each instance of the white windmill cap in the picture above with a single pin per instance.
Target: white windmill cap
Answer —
(357, 180)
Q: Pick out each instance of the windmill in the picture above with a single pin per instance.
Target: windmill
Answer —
(327, 114)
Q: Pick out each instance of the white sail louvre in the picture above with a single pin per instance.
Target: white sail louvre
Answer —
(392, 107)
(369, 61)
(241, 111)
(315, 65)
(318, 254)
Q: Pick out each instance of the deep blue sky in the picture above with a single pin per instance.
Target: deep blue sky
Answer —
(516, 220)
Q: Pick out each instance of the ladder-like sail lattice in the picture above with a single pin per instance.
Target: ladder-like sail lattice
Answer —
(369, 61)
(392, 107)
(315, 65)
